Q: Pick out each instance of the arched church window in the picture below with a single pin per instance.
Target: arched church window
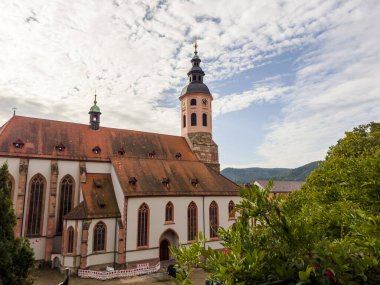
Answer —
(143, 225)
(36, 205)
(193, 119)
(99, 237)
(65, 200)
(169, 215)
(193, 102)
(192, 225)
(204, 120)
(11, 186)
(184, 121)
(214, 219)
(70, 240)
(231, 210)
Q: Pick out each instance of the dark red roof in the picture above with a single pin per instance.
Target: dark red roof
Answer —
(150, 172)
(99, 199)
(41, 138)
(282, 186)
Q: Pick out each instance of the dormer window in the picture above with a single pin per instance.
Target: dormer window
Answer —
(121, 151)
(132, 180)
(18, 143)
(178, 155)
(60, 147)
(152, 154)
(165, 181)
(194, 182)
(96, 150)
(98, 183)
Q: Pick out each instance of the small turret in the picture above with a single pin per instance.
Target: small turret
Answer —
(95, 116)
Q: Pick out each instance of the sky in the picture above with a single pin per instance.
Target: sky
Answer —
(288, 78)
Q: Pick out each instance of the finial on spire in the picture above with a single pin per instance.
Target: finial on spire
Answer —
(195, 45)
(14, 111)
(95, 98)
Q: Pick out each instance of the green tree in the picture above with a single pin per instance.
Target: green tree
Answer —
(16, 255)
(326, 233)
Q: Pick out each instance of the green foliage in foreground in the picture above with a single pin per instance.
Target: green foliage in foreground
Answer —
(16, 255)
(326, 233)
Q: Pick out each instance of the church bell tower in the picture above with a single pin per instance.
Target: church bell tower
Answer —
(196, 115)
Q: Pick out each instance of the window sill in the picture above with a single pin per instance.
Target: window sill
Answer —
(99, 251)
(232, 219)
(142, 247)
(214, 239)
(169, 223)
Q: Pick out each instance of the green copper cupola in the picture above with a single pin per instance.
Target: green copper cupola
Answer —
(95, 116)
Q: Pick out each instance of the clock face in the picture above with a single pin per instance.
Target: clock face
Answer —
(204, 101)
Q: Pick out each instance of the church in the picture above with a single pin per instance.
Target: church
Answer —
(87, 196)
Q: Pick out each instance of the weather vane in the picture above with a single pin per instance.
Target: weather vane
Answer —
(195, 44)
(14, 111)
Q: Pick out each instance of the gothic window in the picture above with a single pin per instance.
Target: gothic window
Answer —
(11, 186)
(99, 237)
(231, 210)
(70, 240)
(193, 119)
(35, 211)
(204, 120)
(142, 225)
(214, 223)
(169, 209)
(184, 121)
(193, 102)
(192, 221)
(65, 200)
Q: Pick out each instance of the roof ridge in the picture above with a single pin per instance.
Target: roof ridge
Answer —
(81, 124)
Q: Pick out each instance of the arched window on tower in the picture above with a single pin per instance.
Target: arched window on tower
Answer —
(184, 121)
(194, 77)
(100, 237)
(204, 120)
(214, 219)
(193, 102)
(192, 225)
(193, 119)
(169, 212)
(231, 210)
(36, 205)
(65, 200)
(143, 225)
(70, 240)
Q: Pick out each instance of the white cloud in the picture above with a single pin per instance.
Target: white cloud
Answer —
(55, 54)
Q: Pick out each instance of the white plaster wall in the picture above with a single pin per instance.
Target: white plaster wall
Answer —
(157, 224)
(108, 255)
(38, 245)
(142, 255)
(118, 192)
(98, 167)
(13, 168)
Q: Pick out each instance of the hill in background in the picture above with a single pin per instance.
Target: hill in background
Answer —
(246, 175)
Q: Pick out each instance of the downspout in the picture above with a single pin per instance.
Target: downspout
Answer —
(114, 246)
(23, 207)
(204, 226)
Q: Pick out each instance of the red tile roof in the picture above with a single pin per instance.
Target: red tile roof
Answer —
(99, 199)
(150, 172)
(282, 186)
(40, 138)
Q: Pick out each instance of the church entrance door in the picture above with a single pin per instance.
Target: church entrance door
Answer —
(164, 249)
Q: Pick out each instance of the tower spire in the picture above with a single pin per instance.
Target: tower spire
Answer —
(195, 45)
(95, 115)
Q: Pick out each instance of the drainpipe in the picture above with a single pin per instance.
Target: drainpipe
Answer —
(114, 246)
(204, 226)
